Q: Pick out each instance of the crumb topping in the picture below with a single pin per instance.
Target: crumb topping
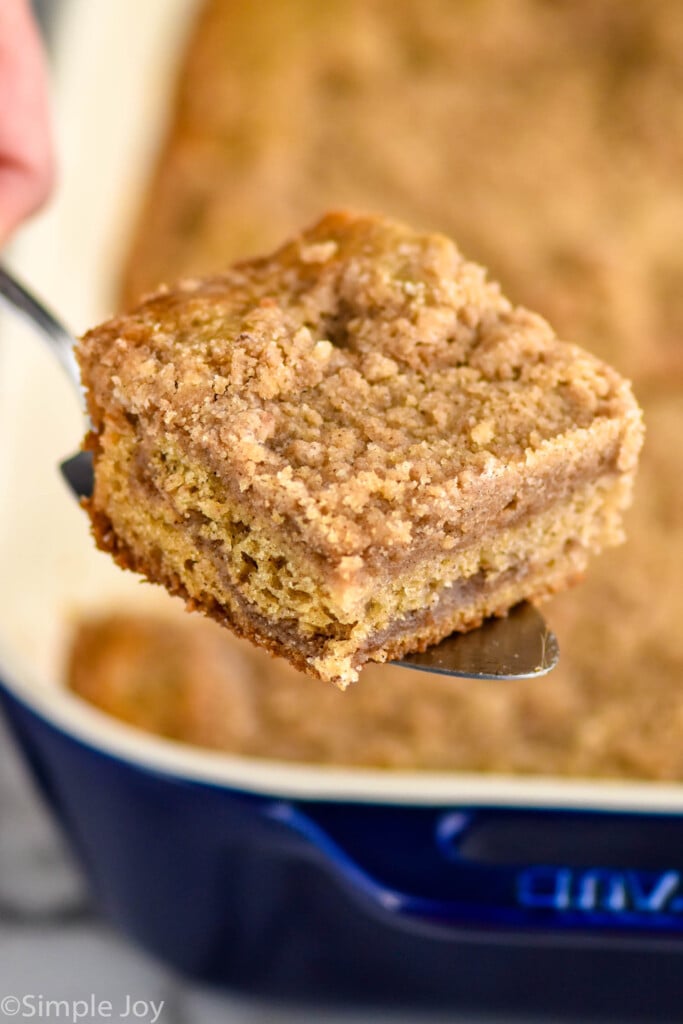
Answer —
(354, 380)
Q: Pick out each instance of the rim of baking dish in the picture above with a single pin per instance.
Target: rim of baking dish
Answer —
(297, 780)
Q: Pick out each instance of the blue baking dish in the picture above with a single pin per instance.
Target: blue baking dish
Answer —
(296, 881)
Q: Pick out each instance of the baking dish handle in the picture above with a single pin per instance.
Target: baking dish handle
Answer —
(520, 869)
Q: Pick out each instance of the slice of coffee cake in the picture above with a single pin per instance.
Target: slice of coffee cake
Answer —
(349, 449)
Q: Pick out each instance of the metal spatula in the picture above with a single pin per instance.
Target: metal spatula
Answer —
(519, 646)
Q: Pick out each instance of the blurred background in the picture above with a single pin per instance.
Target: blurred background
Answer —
(547, 140)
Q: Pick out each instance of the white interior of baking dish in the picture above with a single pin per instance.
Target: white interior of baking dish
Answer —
(114, 64)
